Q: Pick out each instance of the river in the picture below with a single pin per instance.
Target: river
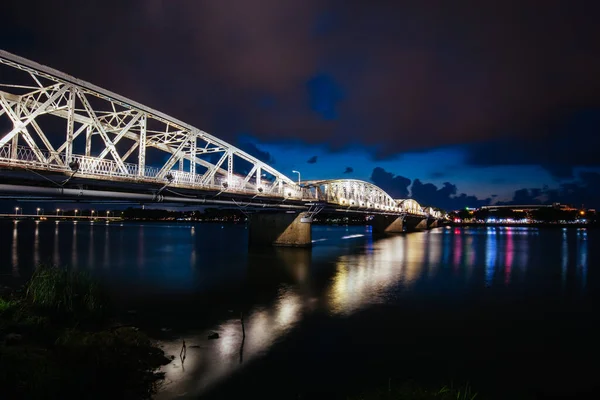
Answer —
(508, 309)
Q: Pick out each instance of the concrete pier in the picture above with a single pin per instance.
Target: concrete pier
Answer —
(414, 223)
(280, 229)
(388, 224)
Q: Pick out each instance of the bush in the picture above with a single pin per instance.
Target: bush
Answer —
(7, 306)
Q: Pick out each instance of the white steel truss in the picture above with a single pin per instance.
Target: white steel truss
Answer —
(103, 131)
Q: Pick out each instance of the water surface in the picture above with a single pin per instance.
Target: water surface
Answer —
(509, 309)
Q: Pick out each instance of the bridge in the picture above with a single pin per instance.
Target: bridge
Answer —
(65, 139)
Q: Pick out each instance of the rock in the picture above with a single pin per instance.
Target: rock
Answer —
(213, 335)
(165, 329)
(13, 338)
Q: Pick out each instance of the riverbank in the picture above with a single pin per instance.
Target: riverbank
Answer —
(521, 225)
(58, 340)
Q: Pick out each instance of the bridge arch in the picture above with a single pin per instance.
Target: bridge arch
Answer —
(353, 193)
(107, 136)
(410, 206)
(433, 212)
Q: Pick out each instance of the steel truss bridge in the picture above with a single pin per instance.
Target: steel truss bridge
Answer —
(64, 138)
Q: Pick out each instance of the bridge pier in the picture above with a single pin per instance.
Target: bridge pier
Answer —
(280, 229)
(388, 224)
(432, 223)
(414, 223)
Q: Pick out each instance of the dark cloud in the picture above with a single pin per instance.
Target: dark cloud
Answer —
(445, 197)
(390, 76)
(312, 160)
(427, 194)
(558, 146)
(436, 175)
(585, 190)
(253, 150)
(348, 170)
(395, 185)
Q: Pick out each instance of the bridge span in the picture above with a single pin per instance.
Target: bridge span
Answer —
(62, 138)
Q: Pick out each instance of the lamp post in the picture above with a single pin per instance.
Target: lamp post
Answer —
(57, 211)
(107, 212)
(17, 210)
(92, 215)
(37, 210)
(76, 213)
(297, 172)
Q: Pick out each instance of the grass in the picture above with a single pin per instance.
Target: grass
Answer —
(66, 348)
(412, 391)
(62, 293)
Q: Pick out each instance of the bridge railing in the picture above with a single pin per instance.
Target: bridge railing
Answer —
(95, 166)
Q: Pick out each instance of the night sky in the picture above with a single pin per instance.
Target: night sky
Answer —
(455, 103)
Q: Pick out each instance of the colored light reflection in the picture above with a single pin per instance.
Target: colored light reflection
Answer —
(457, 253)
(509, 254)
(490, 256)
(582, 257)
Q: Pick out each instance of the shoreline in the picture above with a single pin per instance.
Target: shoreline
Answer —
(548, 225)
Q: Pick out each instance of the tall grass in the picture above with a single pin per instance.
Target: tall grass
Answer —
(411, 391)
(63, 292)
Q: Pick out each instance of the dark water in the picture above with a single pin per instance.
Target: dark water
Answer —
(508, 309)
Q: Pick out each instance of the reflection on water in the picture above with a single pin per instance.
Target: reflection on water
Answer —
(15, 250)
(564, 257)
(36, 244)
(582, 252)
(361, 280)
(210, 362)
(55, 252)
(509, 254)
(74, 247)
(490, 255)
(280, 289)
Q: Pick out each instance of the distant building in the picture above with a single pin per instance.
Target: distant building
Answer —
(529, 207)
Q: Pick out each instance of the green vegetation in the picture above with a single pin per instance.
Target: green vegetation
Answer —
(411, 391)
(55, 342)
(65, 294)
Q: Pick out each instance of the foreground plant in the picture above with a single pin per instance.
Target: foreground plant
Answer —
(61, 345)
